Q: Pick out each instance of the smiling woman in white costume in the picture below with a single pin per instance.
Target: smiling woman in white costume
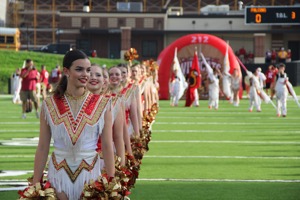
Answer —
(75, 119)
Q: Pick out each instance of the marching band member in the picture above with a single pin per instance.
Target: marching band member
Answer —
(135, 78)
(116, 88)
(131, 107)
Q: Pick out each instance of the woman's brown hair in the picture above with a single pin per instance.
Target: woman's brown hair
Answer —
(69, 58)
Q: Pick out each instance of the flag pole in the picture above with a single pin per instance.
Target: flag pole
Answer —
(243, 66)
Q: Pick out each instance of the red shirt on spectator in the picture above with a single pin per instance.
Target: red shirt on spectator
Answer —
(242, 51)
(29, 82)
(44, 76)
(273, 55)
(269, 76)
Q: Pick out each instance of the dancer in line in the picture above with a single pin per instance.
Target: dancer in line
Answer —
(131, 104)
(116, 88)
(75, 119)
(95, 85)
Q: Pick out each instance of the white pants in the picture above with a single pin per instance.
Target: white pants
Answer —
(281, 102)
(213, 96)
(16, 97)
(254, 100)
(175, 99)
(213, 103)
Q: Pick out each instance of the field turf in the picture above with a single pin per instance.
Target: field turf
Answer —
(195, 153)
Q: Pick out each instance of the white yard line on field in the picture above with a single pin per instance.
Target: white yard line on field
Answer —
(190, 157)
(220, 117)
(23, 185)
(181, 180)
(177, 131)
(222, 141)
(216, 180)
(14, 173)
(230, 157)
(224, 131)
(22, 142)
(186, 113)
(182, 123)
(227, 123)
(198, 113)
(34, 142)
(17, 156)
(14, 117)
(16, 123)
(17, 130)
(14, 188)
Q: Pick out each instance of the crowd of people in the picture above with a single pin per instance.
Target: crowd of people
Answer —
(100, 122)
(281, 56)
(210, 84)
(271, 56)
(260, 87)
(244, 56)
(274, 82)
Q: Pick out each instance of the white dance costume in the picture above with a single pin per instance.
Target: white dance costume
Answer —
(235, 83)
(235, 87)
(254, 99)
(128, 94)
(17, 83)
(281, 94)
(75, 161)
(175, 90)
(213, 94)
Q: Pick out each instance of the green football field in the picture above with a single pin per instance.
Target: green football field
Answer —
(195, 153)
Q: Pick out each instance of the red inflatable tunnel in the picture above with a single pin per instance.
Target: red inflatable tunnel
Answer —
(212, 47)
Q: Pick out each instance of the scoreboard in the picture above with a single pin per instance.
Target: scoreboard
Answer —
(272, 15)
